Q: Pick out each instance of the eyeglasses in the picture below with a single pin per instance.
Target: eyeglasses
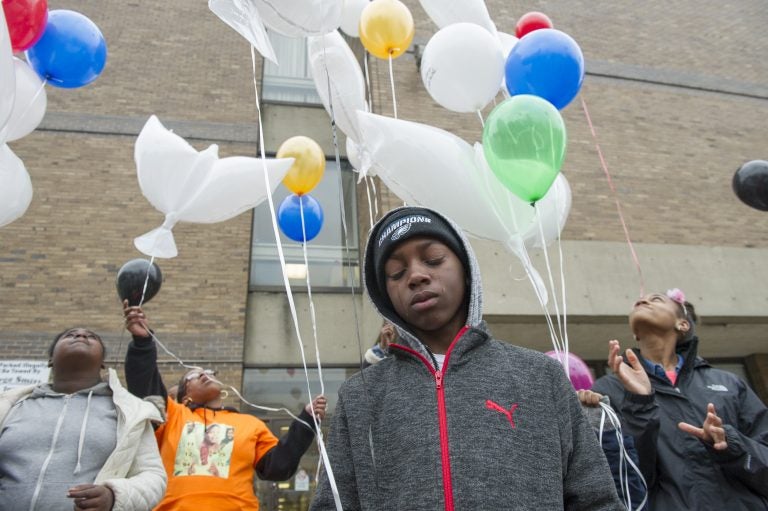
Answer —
(197, 374)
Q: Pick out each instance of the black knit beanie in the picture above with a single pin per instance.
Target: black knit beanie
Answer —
(398, 226)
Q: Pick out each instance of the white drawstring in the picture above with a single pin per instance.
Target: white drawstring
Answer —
(82, 433)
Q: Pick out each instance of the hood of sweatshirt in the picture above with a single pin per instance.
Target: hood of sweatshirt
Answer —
(381, 301)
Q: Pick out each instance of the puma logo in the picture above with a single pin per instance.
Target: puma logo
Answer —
(507, 413)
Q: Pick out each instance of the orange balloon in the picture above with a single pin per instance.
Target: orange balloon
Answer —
(308, 167)
(386, 28)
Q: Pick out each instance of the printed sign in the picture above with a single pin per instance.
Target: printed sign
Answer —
(18, 373)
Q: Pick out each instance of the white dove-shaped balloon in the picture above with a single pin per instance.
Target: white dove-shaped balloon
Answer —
(430, 167)
(300, 18)
(191, 186)
(293, 18)
(243, 17)
(15, 186)
(7, 73)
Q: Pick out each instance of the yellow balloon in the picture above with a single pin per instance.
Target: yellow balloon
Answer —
(386, 28)
(308, 167)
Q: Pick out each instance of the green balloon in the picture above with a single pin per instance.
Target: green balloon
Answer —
(524, 144)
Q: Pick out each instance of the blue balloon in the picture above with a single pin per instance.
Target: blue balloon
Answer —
(289, 217)
(71, 52)
(546, 63)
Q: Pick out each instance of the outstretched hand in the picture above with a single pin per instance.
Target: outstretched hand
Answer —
(319, 404)
(92, 496)
(711, 432)
(135, 320)
(629, 372)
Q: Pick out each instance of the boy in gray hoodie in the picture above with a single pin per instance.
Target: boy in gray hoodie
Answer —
(454, 419)
(78, 442)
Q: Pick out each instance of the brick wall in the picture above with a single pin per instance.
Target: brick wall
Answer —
(672, 151)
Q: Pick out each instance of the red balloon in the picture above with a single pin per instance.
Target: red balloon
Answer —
(531, 21)
(26, 21)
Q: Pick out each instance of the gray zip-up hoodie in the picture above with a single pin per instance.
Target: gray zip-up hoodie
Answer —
(50, 442)
(498, 428)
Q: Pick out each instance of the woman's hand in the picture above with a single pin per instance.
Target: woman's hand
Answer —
(135, 320)
(711, 432)
(319, 404)
(631, 373)
(92, 496)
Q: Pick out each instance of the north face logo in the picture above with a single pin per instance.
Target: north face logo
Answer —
(717, 388)
(400, 232)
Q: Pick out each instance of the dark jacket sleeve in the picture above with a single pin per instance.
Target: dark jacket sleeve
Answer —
(625, 477)
(281, 462)
(141, 373)
(746, 457)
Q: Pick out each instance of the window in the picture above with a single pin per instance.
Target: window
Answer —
(330, 265)
(291, 80)
(287, 388)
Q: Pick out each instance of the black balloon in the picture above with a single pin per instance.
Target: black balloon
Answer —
(751, 184)
(131, 277)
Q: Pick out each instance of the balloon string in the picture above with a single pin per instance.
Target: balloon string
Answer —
(367, 85)
(146, 280)
(563, 360)
(615, 197)
(240, 396)
(480, 115)
(375, 199)
(527, 265)
(562, 271)
(309, 297)
(278, 242)
(625, 462)
(392, 82)
(289, 294)
(347, 257)
(370, 205)
(522, 252)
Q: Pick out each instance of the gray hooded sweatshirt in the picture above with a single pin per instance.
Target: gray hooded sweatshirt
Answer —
(498, 428)
(50, 442)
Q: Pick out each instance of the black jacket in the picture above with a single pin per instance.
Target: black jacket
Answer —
(681, 471)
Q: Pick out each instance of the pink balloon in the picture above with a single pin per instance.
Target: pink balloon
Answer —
(578, 371)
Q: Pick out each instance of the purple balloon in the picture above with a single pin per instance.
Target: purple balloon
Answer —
(578, 371)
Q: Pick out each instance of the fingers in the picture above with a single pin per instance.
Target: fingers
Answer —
(713, 426)
(692, 430)
(711, 432)
(89, 496)
(633, 361)
(614, 359)
(80, 490)
(319, 405)
(589, 398)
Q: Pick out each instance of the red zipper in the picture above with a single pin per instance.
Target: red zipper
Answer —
(442, 416)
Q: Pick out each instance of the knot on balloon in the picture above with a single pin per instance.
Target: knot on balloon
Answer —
(170, 220)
